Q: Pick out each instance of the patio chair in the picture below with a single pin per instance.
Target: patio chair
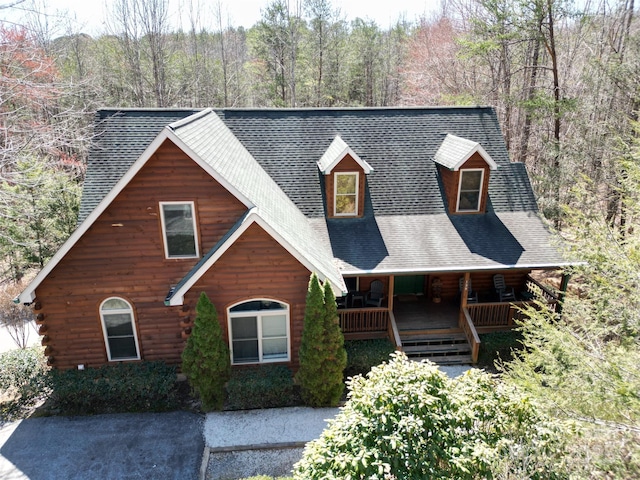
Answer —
(472, 297)
(505, 293)
(375, 294)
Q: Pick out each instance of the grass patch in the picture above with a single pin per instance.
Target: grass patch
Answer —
(265, 386)
(498, 346)
(364, 354)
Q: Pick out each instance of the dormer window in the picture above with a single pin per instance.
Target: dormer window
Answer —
(464, 168)
(346, 193)
(344, 173)
(470, 190)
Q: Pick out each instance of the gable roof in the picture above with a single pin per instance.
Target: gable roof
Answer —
(206, 140)
(455, 151)
(405, 227)
(336, 152)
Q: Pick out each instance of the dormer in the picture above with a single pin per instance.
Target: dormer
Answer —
(465, 168)
(344, 177)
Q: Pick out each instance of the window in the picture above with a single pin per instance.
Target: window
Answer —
(179, 228)
(346, 194)
(470, 190)
(119, 329)
(259, 332)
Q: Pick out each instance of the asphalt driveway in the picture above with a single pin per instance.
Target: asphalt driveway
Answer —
(122, 446)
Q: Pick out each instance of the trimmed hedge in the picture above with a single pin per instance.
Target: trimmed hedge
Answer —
(364, 354)
(125, 387)
(266, 386)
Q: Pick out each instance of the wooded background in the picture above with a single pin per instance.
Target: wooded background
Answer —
(563, 78)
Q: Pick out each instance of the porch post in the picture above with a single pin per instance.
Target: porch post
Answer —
(392, 279)
(465, 294)
(564, 284)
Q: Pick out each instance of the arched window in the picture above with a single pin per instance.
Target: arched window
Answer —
(259, 332)
(118, 326)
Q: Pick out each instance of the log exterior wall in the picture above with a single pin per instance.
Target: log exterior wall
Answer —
(451, 180)
(122, 254)
(347, 164)
(256, 266)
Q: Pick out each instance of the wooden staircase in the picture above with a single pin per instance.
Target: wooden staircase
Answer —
(444, 347)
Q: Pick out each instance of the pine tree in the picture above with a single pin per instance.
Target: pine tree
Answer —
(322, 355)
(205, 359)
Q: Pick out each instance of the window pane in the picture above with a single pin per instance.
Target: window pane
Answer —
(178, 224)
(469, 201)
(471, 180)
(346, 183)
(118, 324)
(115, 304)
(274, 348)
(345, 204)
(243, 328)
(245, 351)
(274, 326)
(257, 305)
(122, 348)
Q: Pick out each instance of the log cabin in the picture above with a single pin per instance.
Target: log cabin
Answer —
(411, 214)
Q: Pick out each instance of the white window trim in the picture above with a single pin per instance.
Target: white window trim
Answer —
(133, 327)
(259, 314)
(481, 170)
(335, 194)
(164, 230)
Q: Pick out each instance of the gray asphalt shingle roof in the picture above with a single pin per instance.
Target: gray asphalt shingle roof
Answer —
(405, 226)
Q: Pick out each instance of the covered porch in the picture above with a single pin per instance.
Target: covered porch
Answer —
(437, 314)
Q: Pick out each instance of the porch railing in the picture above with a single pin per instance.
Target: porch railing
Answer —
(466, 324)
(502, 314)
(359, 320)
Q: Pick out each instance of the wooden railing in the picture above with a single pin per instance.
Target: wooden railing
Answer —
(393, 332)
(358, 320)
(466, 324)
(542, 293)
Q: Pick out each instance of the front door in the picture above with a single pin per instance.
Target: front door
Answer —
(408, 285)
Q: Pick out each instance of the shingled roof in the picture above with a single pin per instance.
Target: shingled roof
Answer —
(406, 227)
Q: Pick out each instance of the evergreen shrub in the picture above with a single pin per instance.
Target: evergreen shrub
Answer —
(124, 387)
(362, 355)
(266, 386)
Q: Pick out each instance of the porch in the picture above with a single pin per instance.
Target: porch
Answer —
(443, 329)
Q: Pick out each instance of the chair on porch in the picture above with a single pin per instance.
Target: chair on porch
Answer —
(505, 293)
(375, 294)
(472, 297)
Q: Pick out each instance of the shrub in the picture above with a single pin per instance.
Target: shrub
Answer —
(125, 387)
(266, 386)
(362, 355)
(409, 420)
(322, 354)
(22, 379)
(498, 346)
(205, 359)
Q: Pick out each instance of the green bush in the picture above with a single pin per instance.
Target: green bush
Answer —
(409, 420)
(498, 346)
(125, 387)
(362, 355)
(22, 380)
(266, 386)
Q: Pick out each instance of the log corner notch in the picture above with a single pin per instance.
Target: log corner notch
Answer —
(186, 322)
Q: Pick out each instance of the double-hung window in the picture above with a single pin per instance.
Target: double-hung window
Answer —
(118, 327)
(470, 190)
(346, 194)
(179, 229)
(259, 332)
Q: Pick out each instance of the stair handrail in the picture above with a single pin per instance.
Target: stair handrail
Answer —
(472, 335)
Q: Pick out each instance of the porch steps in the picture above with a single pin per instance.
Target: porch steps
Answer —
(443, 348)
